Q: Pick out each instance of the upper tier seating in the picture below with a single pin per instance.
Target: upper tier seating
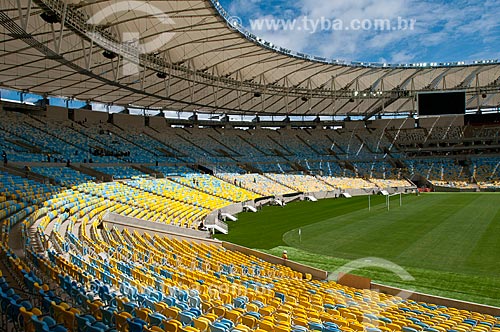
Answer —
(173, 170)
(486, 169)
(373, 153)
(443, 169)
(21, 189)
(125, 172)
(64, 176)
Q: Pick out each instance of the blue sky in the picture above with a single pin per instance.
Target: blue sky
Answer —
(443, 31)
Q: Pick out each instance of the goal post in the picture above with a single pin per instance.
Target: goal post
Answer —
(388, 197)
(388, 202)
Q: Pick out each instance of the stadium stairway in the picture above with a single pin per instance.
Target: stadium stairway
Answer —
(15, 169)
(281, 183)
(278, 144)
(36, 245)
(225, 153)
(349, 166)
(16, 241)
(367, 146)
(301, 139)
(25, 145)
(92, 172)
(192, 143)
(146, 170)
(140, 147)
(319, 178)
(251, 144)
(250, 169)
(337, 146)
(300, 168)
(151, 133)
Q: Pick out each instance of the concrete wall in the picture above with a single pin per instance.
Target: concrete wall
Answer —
(128, 121)
(325, 194)
(316, 273)
(393, 123)
(288, 199)
(350, 125)
(57, 113)
(90, 117)
(419, 297)
(263, 202)
(358, 192)
(233, 208)
(453, 189)
(147, 226)
(355, 281)
(158, 123)
(442, 121)
(85, 168)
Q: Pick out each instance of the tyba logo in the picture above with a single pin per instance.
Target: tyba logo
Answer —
(132, 43)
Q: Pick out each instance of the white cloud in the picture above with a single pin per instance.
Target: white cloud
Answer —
(31, 100)
(244, 7)
(401, 57)
(439, 28)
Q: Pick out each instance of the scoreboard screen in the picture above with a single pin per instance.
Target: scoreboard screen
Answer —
(441, 103)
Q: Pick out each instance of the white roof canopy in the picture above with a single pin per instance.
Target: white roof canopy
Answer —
(184, 56)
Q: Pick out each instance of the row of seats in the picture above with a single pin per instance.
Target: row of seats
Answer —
(21, 189)
(257, 183)
(443, 169)
(122, 172)
(65, 176)
(216, 187)
(301, 183)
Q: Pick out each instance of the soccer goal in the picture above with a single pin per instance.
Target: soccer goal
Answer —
(390, 200)
(394, 200)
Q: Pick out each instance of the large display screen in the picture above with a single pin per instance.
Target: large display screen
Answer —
(441, 103)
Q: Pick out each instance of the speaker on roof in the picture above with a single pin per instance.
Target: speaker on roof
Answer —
(108, 54)
(49, 17)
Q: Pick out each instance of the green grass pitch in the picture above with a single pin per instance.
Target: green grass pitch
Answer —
(450, 243)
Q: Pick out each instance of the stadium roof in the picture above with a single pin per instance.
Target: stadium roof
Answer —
(186, 56)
